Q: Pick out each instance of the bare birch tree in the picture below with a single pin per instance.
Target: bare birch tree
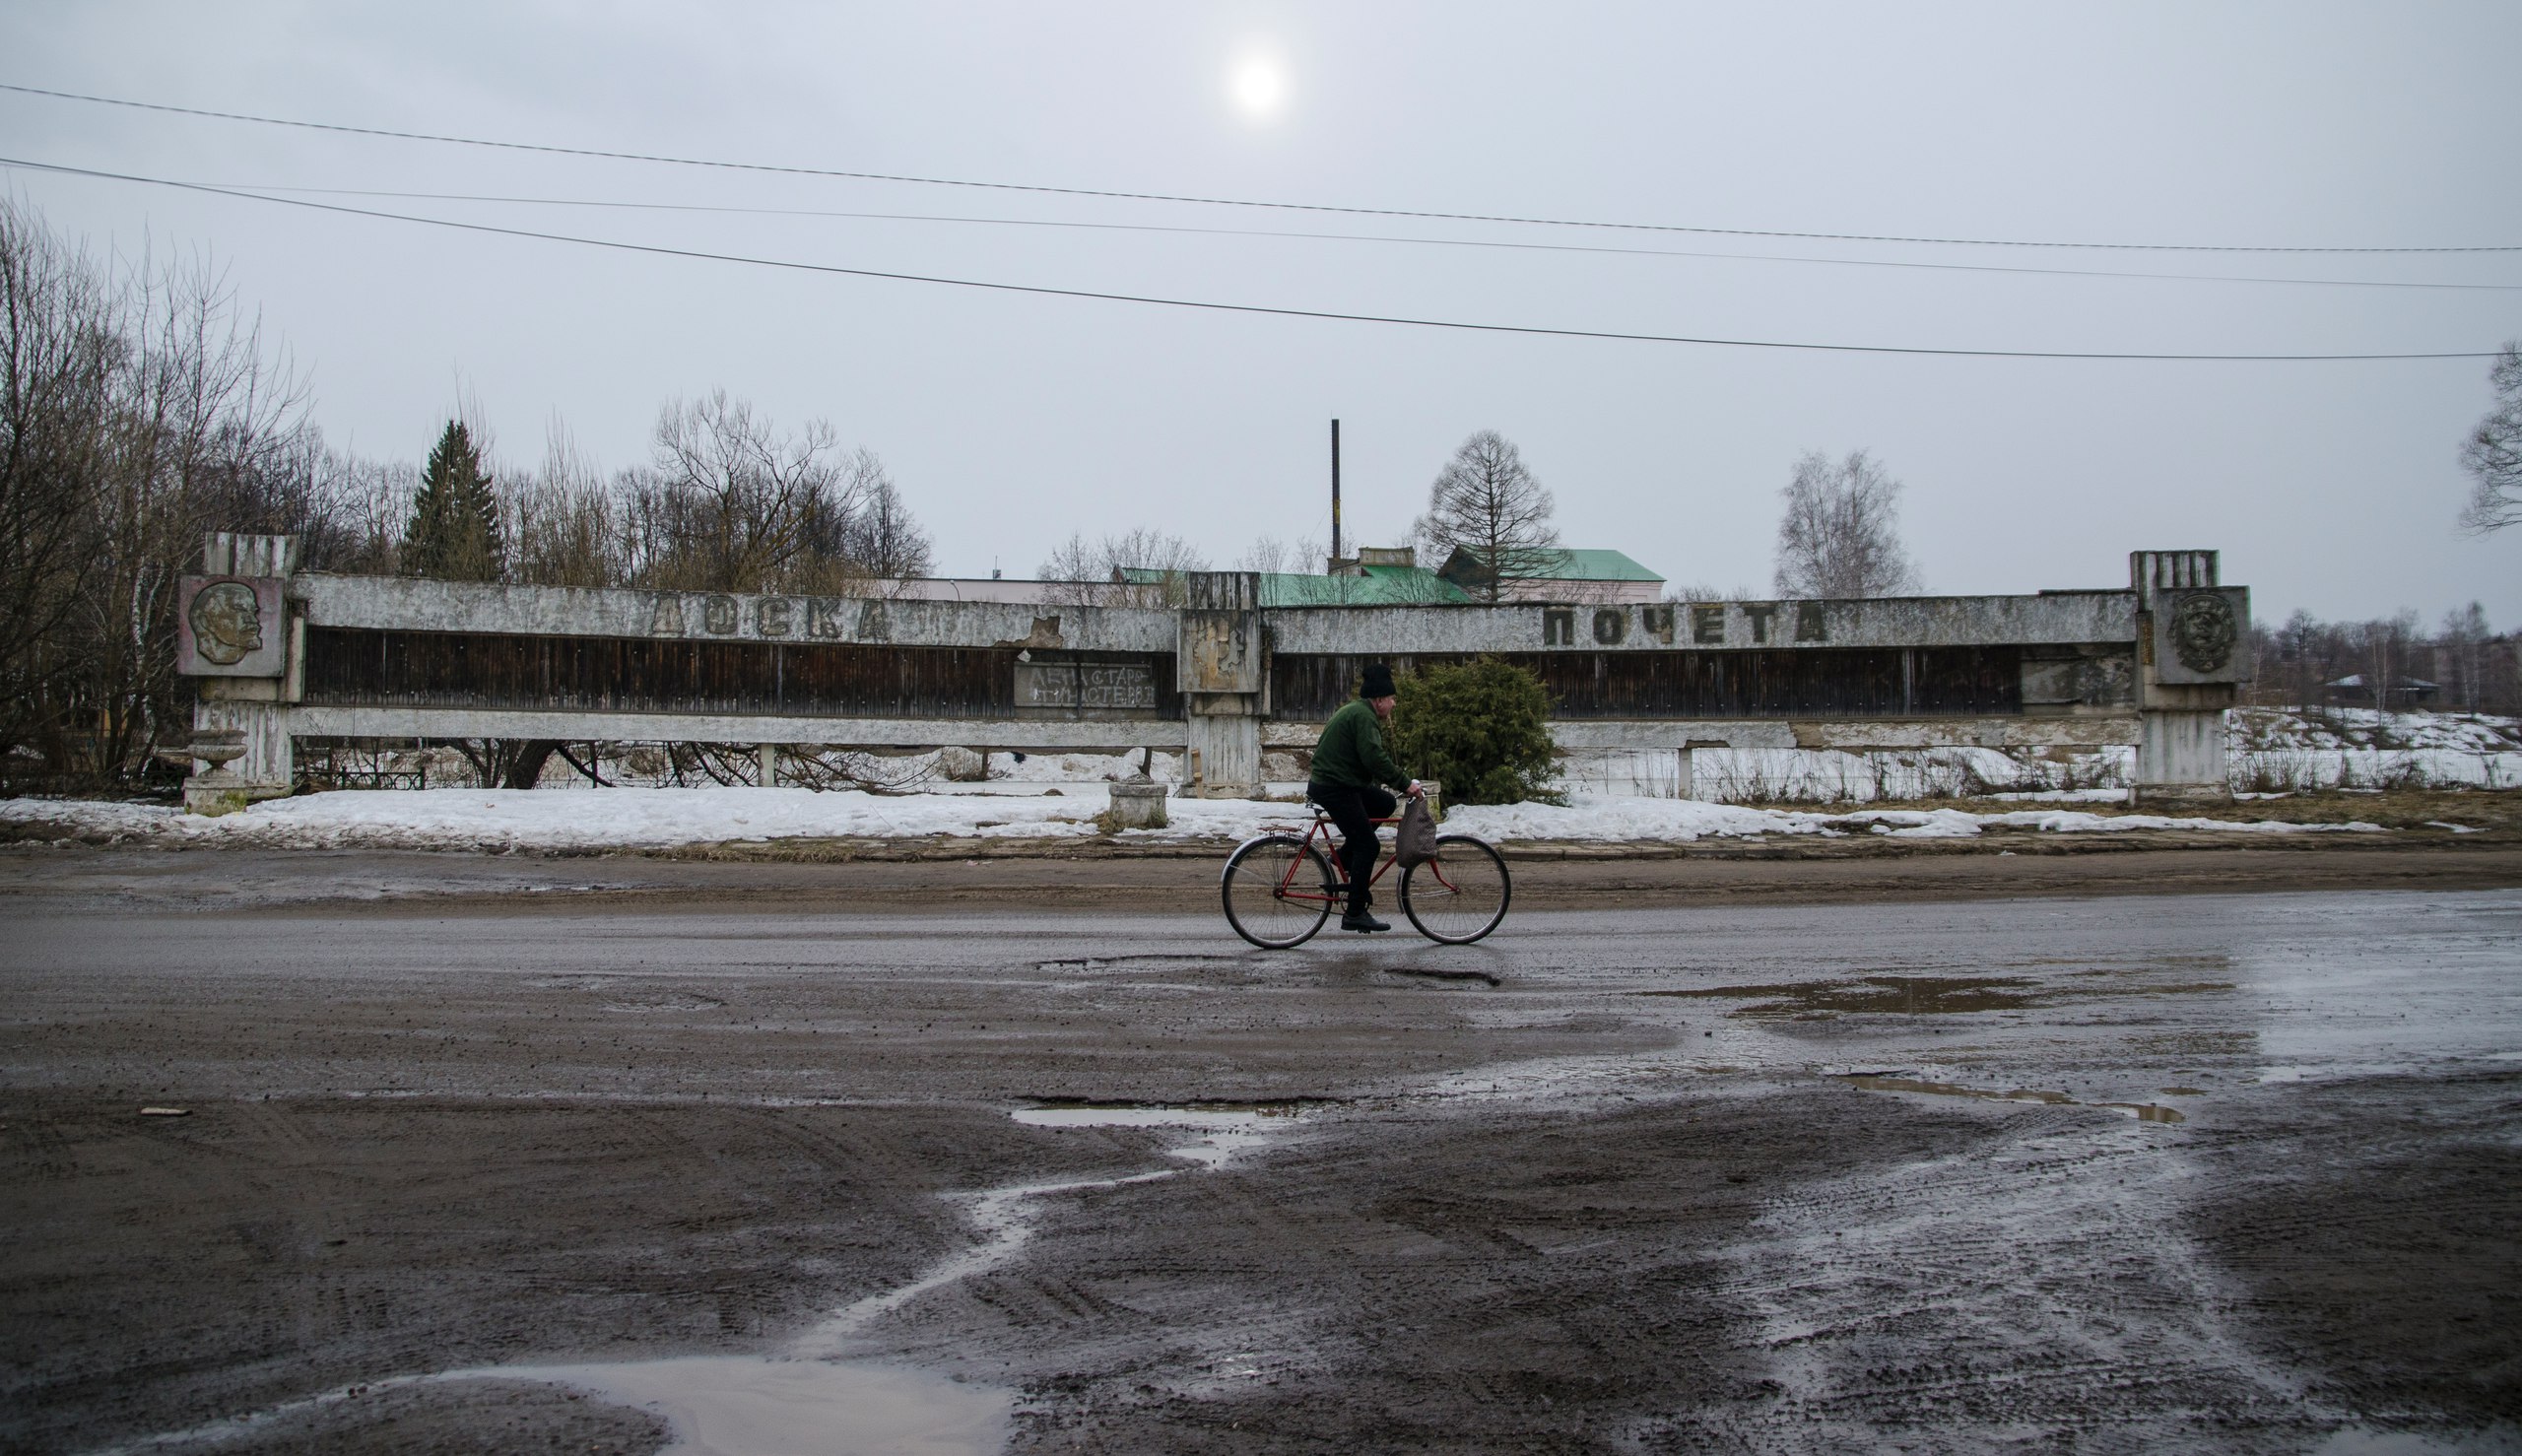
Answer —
(2493, 454)
(1488, 503)
(2460, 643)
(1840, 534)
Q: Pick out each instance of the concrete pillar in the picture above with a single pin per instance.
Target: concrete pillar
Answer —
(245, 646)
(1225, 755)
(2192, 654)
(1220, 669)
(2181, 753)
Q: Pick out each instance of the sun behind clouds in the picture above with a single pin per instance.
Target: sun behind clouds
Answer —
(1258, 85)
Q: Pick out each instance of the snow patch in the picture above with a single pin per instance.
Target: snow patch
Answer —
(505, 819)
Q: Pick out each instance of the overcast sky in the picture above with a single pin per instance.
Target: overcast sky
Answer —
(1011, 420)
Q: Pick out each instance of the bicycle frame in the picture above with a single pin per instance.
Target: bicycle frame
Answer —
(1321, 833)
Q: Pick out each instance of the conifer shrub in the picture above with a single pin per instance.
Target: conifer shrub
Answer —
(1480, 729)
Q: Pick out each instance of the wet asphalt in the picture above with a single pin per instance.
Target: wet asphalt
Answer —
(2208, 1172)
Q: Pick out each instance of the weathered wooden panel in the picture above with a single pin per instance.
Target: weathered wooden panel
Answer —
(1837, 683)
(354, 668)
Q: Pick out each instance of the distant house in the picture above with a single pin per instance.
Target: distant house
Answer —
(1375, 584)
(2353, 691)
(1565, 575)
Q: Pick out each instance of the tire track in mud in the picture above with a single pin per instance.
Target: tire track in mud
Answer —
(2041, 1283)
(762, 1405)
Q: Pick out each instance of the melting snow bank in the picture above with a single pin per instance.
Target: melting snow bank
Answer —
(1684, 820)
(501, 819)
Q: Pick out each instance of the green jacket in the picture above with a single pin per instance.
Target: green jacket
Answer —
(1351, 754)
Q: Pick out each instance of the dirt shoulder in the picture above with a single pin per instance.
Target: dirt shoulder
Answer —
(1569, 877)
(2432, 840)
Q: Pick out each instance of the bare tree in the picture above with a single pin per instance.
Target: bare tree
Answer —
(2382, 648)
(1272, 555)
(1099, 572)
(358, 510)
(1840, 536)
(139, 408)
(1488, 503)
(59, 352)
(208, 431)
(2302, 656)
(563, 523)
(2493, 455)
(880, 535)
(729, 503)
(1708, 591)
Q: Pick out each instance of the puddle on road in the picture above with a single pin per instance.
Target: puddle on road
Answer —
(1920, 995)
(1875, 1081)
(1115, 962)
(750, 1406)
(1914, 995)
(1433, 973)
(809, 1400)
(1230, 1126)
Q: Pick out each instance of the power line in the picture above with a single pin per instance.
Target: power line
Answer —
(1112, 194)
(1465, 242)
(1330, 316)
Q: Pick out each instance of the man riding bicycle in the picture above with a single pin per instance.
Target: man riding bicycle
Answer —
(1351, 770)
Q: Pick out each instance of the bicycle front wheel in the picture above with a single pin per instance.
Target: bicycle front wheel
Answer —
(1459, 896)
(1277, 892)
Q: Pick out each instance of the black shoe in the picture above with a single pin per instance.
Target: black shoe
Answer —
(1361, 920)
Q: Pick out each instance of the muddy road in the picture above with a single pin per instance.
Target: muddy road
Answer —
(558, 1167)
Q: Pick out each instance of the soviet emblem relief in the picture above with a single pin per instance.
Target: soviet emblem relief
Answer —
(227, 623)
(2203, 632)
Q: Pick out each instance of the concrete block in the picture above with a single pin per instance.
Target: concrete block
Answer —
(1138, 803)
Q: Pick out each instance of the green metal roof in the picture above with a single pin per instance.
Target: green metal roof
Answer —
(1380, 586)
(1565, 566)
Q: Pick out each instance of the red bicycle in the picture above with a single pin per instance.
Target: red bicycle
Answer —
(1278, 887)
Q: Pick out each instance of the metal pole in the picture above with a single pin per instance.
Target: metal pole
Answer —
(1335, 490)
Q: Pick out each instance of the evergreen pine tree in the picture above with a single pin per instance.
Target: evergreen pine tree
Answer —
(454, 534)
(1480, 729)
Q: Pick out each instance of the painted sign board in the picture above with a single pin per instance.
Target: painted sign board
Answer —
(1085, 685)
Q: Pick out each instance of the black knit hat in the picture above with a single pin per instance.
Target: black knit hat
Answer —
(1378, 682)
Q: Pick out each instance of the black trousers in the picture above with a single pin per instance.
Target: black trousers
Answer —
(1355, 810)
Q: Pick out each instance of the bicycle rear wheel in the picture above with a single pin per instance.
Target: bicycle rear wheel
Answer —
(1277, 892)
(1459, 896)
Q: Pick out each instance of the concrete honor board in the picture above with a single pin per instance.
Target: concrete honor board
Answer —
(231, 626)
(2203, 636)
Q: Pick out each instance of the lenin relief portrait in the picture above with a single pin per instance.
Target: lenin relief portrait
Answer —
(228, 623)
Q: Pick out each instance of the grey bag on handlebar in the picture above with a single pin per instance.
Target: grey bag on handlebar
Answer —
(1413, 841)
